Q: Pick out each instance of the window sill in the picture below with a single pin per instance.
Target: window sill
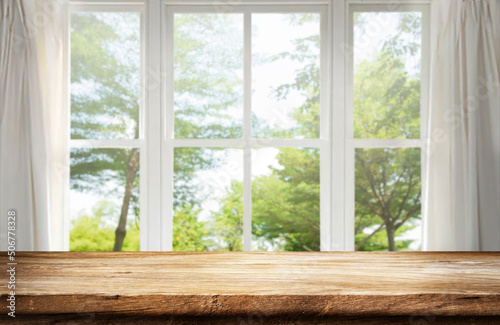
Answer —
(262, 285)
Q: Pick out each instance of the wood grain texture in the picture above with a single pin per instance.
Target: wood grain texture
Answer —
(242, 320)
(258, 285)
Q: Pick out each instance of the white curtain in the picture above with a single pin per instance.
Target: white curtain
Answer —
(463, 167)
(33, 158)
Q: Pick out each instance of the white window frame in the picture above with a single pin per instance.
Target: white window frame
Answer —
(336, 143)
(144, 116)
(247, 143)
(351, 144)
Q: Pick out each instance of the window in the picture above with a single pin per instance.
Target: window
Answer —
(239, 127)
(387, 75)
(245, 99)
(106, 128)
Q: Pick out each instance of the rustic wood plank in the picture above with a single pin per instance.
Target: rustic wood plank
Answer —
(321, 284)
(243, 320)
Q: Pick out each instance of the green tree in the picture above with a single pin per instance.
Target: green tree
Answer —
(285, 207)
(387, 196)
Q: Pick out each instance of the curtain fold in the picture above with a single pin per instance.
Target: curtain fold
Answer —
(463, 167)
(32, 145)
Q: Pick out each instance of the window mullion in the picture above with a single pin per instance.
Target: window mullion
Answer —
(106, 143)
(247, 132)
(424, 109)
(340, 130)
(151, 223)
(167, 133)
(387, 143)
(325, 133)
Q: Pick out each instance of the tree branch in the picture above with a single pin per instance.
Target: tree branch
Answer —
(361, 243)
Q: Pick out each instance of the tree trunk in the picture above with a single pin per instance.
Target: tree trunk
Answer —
(390, 237)
(132, 169)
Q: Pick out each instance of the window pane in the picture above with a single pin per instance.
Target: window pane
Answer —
(286, 75)
(105, 77)
(208, 76)
(208, 199)
(285, 199)
(387, 71)
(104, 190)
(388, 208)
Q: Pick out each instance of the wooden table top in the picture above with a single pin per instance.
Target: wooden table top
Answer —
(260, 283)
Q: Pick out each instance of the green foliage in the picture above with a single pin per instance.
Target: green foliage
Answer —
(208, 53)
(387, 193)
(223, 232)
(187, 161)
(189, 231)
(104, 82)
(224, 229)
(285, 207)
(387, 100)
(307, 83)
(227, 224)
(91, 168)
(96, 233)
(386, 89)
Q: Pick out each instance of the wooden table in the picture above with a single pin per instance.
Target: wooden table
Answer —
(256, 287)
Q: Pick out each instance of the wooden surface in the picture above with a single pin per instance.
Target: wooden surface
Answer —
(249, 320)
(257, 285)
